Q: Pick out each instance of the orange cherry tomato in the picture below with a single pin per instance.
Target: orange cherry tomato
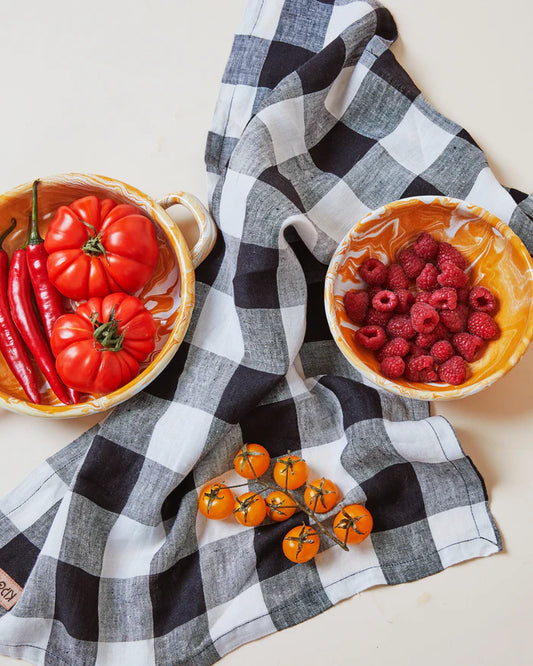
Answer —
(280, 506)
(353, 523)
(321, 495)
(216, 501)
(301, 544)
(252, 461)
(250, 509)
(290, 472)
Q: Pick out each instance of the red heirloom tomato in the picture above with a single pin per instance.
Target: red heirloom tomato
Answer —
(99, 348)
(96, 247)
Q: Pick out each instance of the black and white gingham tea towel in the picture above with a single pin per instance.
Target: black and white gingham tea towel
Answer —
(315, 125)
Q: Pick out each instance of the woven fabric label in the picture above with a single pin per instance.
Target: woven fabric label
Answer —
(9, 591)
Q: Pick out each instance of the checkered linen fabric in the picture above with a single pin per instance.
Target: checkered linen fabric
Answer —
(315, 125)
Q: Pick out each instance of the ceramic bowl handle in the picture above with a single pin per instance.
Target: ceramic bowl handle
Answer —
(206, 225)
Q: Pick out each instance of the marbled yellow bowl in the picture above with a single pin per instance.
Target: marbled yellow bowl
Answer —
(169, 294)
(496, 259)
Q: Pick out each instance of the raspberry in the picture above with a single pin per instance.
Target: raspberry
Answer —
(482, 324)
(416, 350)
(462, 294)
(373, 271)
(373, 290)
(377, 318)
(385, 301)
(427, 280)
(451, 276)
(400, 326)
(394, 347)
(467, 345)
(455, 320)
(453, 371)
(426, 246)
(392, 367)
(424, 318)
(411, 263)
(396, 278)
(444, 299)
(442, 350)
(371, 337)
(356, 305)
(423, 297)
(420, 369)
(405, 300)
(426, 340)
(449, 253)
(483, 300)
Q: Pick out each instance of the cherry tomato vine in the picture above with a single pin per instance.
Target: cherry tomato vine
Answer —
(352, 524)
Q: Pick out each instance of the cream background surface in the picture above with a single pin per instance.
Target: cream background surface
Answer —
(127, 89)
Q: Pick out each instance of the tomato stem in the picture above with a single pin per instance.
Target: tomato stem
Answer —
(106, 334)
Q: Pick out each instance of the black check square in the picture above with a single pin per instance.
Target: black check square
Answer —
(255, 283)
(358, 402)
(340, 149)
(282, 59)
(243, 392)
(274, 425)
(323, 69)
(177, 594)
(76, 601)
(108, 474)
(18, 557)
(394, 497)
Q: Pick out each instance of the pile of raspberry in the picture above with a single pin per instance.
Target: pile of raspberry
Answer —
(419, 315)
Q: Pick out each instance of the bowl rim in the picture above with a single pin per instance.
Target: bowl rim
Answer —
(382, 382)
(183, 316)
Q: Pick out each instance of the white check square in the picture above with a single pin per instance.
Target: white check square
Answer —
(132, 653)
(416, 142)
(337, 212)
(418, 441)
(343, 16)
(285, 122)
(247, 608)
(172, 439)
(218, 329)
(130, 548)
(233, 200)
(261, 19)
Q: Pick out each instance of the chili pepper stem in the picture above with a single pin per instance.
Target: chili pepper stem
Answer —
(34, 236)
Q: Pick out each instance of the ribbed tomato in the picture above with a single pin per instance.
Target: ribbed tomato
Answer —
(99, 348)
(97, 247)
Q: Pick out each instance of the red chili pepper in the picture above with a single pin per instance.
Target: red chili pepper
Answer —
(11, 344)
(19, 293)
(49, 300)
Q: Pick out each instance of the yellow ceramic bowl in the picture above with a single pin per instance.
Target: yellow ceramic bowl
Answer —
(169, 295)
(496, 257)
